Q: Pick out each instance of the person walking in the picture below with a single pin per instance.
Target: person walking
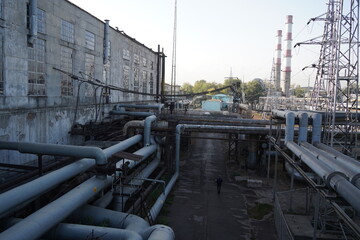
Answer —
(218, 181)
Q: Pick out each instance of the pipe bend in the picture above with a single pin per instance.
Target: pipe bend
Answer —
(158, 232)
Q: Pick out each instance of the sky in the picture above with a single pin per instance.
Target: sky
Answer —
(216, 37)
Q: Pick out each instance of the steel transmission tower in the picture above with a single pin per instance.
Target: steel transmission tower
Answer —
(336, 83)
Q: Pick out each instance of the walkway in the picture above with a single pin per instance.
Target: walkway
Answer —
(197, 211)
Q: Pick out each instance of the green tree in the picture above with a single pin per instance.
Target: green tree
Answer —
(254, 90)
(187, 88)
(202, 86)
(299, 91)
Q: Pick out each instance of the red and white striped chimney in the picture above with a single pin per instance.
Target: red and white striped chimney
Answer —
(287, 56)
(278, 61)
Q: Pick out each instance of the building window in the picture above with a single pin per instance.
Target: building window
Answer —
(136, 82)
(90, 73)
(36, 68)
(144, 79)
(89, 40)
(126, 54)
(41, 21)
(67, 31)
(152, 65)
(66, 62)
(136, 59)
(144, 62)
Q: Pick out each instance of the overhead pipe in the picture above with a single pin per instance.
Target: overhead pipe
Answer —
(303, 126)
(127, 113)
(23, 193)
(159, 107)
(122, 220)
(352, 172)
(41, 221)
(145, 152)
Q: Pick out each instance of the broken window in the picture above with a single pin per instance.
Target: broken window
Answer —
(66, 63)
(40, 21)
(36, 68)
(144, 78)
(67, 31)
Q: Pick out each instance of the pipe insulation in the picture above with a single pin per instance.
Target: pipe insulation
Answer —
(29, 190)
(159, 107)
(134, 114)
(41, 221)
(334, 179)
(147, 129)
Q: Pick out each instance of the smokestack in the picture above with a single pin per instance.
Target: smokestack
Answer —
(278, 61)
(287, 56)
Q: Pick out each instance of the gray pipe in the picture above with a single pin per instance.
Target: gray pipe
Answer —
(147, 129)
(29, 190)
(316, 130)
(119, 201)
(145, 152)
(303, 126)
(348, 165)
(33, 21)
(334, 179)
(121, 220)
(57, 150)
(289, 129)
(159, 107)
(68, 231)
(39, 222)
(106, 41)
(135, 114)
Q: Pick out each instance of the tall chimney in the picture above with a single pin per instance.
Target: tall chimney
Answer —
(278, 61)
(287, 56)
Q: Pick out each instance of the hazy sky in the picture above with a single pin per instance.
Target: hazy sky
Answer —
(214, 36)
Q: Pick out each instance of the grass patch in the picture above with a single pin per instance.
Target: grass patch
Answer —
(259, 210)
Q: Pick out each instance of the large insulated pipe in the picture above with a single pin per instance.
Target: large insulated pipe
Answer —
(121, 220)
(278, 61)
(106, 41)
(135, 114)
(145, 152)
(159, 107)
(287, 56)
(33, 21)
(289, 129)
(41, 221)
(352, 170)
(303, 126)
(316, 127)
(29, 190)
(69, 231)
(147, 129)
(334, 179)
(57, 150)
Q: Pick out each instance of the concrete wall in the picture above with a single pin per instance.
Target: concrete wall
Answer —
(49, 118)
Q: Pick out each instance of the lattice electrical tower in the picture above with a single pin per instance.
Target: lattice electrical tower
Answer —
(336, 83)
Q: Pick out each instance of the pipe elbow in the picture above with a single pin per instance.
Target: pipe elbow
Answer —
(99, 155)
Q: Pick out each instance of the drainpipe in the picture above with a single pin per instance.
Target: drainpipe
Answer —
(27, 191)
(33, 21)
(106, 42)
(163, 76)
(41, 221)
(158, 74)
(147, 129)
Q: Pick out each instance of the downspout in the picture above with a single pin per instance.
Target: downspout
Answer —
(23, 193)
(106, 41)
(41, 221)
(158, 74)
(33, 21)
(163, 77)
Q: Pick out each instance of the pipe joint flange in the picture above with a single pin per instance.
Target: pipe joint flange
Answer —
(331, 175)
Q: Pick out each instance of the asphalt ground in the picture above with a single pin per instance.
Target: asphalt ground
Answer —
(198, 212)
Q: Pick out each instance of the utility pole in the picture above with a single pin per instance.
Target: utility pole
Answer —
(337, 73)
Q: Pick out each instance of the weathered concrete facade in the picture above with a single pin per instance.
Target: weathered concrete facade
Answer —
(38, 103)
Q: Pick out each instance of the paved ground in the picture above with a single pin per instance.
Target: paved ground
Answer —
(198, 212)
